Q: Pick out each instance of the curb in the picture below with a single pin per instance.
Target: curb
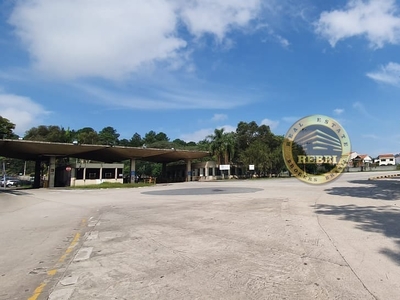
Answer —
(384, 176)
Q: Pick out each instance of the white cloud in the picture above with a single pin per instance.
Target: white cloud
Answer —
(219, 117)
(338, 111)
(80, 38)
(201, 134)
(197, 135)
(272, 35)
(21, 111)
(272, 124)
(163, 97)
(217, 17)
(74, 38)
(229, 128)
(376, 20)
(389, 74)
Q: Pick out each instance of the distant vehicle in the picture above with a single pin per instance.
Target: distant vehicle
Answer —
(12, 182)
(9, 182)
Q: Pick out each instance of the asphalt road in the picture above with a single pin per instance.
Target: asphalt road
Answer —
(252, 239)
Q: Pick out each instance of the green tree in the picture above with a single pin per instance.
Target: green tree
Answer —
(149, 138)
(124, 142)
(256, 154)
(246, 133)
(87, 135)
(222, 145)
(146, 168)
(157, 140)
(136, 140)
(108, 136)
(161, 137)
(179, 142)
(45, 133)
(259, 146)
(7, 129)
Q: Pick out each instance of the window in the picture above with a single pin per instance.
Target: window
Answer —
(92, 173)
(108, 173)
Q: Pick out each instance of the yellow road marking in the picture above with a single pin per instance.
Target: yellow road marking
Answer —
(70, 247)
(52, 272)
(37, 291)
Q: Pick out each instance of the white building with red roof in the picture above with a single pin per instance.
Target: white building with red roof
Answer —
(386, 160)
(362, 160)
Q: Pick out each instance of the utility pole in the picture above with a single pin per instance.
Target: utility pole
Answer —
(4, 174)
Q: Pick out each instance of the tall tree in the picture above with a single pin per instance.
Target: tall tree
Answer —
(222, 145)
(256, 154)
(124, 142)
(108, 136)
(87, 135)
(179, 144)
(161, 137)
(150, 137)
(136, 140)
(7, 129)
(45, 133)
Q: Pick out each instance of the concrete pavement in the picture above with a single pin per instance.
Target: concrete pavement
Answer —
(254, 239)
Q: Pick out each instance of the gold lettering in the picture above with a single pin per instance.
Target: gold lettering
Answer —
(301, 159)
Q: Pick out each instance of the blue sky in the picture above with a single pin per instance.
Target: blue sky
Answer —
(188, 67)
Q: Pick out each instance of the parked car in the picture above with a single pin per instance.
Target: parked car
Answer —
(9, 182)
(12, 182)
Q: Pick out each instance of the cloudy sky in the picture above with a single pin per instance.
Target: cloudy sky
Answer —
(186, 67)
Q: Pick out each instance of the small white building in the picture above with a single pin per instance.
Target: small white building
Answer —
(386, 160)
(96, 173)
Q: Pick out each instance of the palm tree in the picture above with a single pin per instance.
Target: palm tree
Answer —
(229, 141)
(222, 145)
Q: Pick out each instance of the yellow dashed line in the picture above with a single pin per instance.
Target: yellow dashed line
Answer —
(37, 291)
(53, 272)
(70, 247)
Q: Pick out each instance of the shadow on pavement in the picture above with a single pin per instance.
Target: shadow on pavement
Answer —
(372, 189)
(16, 192)
(380, 219)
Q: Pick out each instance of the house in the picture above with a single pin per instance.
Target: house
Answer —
(386, 160)
(352, 156)
(362, 160)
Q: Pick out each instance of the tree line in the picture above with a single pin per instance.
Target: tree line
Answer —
(250, 144)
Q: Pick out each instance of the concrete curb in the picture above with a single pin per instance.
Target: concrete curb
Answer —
(384, 176)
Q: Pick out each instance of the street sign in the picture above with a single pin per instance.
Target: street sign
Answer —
(224, 167)
(251, 167)
(68, 169)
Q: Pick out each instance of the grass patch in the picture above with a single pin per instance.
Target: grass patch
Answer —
(111, 185)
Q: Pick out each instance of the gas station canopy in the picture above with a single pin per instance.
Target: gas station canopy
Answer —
(34, 150)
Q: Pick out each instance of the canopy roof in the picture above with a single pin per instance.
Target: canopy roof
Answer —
(32, 150)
